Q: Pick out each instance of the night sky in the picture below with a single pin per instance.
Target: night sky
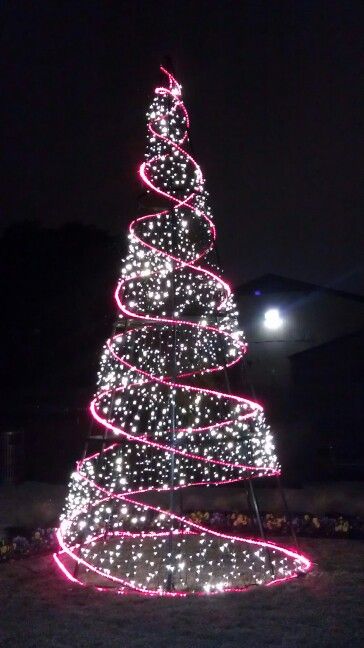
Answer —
(272, 89)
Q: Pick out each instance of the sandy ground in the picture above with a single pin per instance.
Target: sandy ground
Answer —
(324, 609)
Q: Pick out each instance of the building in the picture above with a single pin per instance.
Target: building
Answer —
(305, 348)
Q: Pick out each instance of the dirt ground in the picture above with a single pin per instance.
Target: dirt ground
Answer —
(325, 609)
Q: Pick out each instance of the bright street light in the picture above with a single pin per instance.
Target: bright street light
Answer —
(272, 318)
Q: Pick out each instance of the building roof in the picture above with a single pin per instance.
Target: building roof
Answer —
(271, 283)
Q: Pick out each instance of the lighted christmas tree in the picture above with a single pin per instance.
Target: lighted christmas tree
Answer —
(166, 424)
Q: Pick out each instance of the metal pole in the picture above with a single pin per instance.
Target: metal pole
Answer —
(174, 220)
(170, 579)
(103, 438)
(252, 499)
(287, 512)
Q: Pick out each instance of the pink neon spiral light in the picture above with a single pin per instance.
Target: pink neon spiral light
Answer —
(177, 382)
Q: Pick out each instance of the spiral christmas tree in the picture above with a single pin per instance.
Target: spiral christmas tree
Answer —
(166, 424)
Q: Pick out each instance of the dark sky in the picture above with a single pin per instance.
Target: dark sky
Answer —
(272, 89)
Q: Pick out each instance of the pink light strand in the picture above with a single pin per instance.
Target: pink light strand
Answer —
(174, 91)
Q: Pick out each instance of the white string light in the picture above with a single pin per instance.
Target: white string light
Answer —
(169, 431)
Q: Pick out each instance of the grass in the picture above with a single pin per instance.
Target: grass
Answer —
(39, 609)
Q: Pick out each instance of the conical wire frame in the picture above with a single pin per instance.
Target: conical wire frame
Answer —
(166, 420)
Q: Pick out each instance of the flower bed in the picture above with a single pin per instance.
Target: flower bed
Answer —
(327, 526)
(41, 541)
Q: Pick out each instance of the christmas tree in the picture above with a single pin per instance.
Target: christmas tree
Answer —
(165, 416)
